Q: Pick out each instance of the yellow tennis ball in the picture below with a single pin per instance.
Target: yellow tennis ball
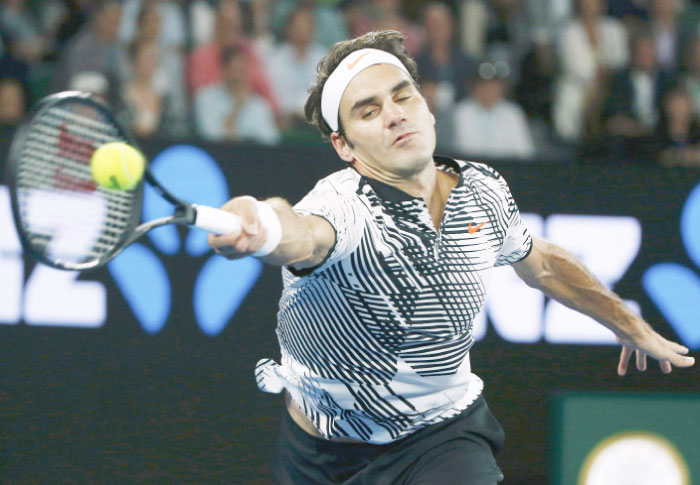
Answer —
(117, 166)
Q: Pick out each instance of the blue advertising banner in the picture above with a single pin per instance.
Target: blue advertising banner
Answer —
(143, 371)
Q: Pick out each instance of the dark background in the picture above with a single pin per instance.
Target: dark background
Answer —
(116, 404)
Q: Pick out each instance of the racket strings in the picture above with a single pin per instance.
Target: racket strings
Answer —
(65, 215)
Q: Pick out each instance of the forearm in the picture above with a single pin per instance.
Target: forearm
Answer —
(562, 276)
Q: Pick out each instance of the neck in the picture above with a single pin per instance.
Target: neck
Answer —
(430, 184)
(441, 53)
(417, 184)
(300, 49)
(236, 89)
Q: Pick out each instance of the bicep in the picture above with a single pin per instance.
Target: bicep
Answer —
(323, 235)
(323, 238)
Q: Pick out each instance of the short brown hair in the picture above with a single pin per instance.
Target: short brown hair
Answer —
(390, 41)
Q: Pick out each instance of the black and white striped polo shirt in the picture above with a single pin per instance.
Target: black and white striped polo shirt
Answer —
(375, 341)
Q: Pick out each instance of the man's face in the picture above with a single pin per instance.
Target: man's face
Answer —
(236, 70)
(438, 25)
(488, 92)
(301, 29)
(645, 54)
(388, 123)
(108, 21)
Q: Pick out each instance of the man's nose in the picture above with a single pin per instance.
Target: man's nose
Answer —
(395, 114)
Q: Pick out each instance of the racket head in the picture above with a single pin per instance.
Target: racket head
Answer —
(64, 219)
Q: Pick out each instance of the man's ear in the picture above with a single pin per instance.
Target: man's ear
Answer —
(341, 147)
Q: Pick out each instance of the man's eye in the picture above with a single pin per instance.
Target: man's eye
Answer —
(403, 98)
(369, 113)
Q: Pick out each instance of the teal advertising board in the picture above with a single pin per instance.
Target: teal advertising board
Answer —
(611, 438)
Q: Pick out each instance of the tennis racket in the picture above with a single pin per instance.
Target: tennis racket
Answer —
(64, 219)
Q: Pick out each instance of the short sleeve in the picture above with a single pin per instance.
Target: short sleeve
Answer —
(517, 243)
(345, 214)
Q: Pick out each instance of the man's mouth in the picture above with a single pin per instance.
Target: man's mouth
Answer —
(403, 137)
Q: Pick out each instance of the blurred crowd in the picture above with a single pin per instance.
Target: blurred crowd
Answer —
(615, 80)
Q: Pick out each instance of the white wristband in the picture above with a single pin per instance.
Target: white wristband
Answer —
(270, 221)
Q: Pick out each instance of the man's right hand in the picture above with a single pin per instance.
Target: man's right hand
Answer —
(249, 238)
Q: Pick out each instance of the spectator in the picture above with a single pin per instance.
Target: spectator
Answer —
(679, 131)
(24, 30)
(537, 73)
(94, 48)
(13, 101)
(170, 25)
(149, 107)
(670, 37)
(444, 114)
(74, 16)
(442, 60)
(473, 17)
(204, 65)
(591, 47)
(498, 28)
(546, 17)
(201, 21)
(633, 105)
(229, 110)
(10, 66)
(168, 76)
(692, 83)
(292, 65)
(487, 125)
(97, 84)
(386, 15)
(330, 25)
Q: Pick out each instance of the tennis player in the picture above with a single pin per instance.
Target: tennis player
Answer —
(385, 265)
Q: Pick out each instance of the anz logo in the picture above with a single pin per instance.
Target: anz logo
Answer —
(51, 297)
(220, 285)
(674, 288)
(608, 245)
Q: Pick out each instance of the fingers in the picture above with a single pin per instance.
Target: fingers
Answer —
(677, 348)
(669, 354)
(641, 360)
(625, 355)
(246, 240)
(681, 361)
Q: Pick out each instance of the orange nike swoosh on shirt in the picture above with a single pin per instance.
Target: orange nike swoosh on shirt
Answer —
(472, 229)
(354, 63)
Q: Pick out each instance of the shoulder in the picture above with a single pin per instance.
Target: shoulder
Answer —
(478, 171)
(204, 52)
(344, 183)
(571, 30)
(465, 107)
(513, 110)
(210, 93)
(281, 53)
(257, 103)
(612, 25)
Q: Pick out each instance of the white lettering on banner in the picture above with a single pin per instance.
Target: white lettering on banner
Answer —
(51, 297)
(515, 309)
(607, 245)
(11, 266)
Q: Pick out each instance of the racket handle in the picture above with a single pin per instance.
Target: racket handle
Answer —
(222, 222)
(215, 220)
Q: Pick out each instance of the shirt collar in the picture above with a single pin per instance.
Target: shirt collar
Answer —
(392, 194)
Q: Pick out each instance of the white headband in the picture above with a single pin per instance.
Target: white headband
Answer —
(338, 81)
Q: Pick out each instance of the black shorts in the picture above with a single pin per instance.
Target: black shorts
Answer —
(460, 450)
